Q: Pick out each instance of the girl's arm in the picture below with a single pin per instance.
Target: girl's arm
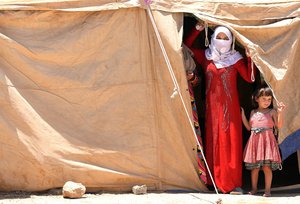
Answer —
(245, 121)
(277, 116)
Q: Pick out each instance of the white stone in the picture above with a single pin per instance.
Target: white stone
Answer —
(137, 190)
(73, 190)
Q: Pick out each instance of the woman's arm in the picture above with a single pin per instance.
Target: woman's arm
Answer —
(193, 35)
(245, 69)
(199, 55)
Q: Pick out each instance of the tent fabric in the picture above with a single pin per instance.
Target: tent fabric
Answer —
(238, 10)
(86, 98)
(85, 91)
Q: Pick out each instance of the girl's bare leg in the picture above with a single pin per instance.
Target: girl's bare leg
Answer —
(254, 180)
(268, 180)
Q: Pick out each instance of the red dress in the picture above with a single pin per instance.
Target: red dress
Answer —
(223, 123)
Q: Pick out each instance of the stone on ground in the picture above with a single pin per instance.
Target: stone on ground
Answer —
(73, 190)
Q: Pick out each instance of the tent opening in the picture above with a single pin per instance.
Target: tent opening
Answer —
(289, 175)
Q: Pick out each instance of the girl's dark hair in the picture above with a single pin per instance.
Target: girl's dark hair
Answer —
(262, 91)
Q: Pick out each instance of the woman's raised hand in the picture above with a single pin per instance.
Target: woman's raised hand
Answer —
(199, 26)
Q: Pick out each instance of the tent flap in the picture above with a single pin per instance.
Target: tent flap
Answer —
(231, 10)
(87, 98)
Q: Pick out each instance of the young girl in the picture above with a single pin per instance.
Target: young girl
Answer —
(261, 151)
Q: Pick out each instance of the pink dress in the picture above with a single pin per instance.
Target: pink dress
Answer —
(262, 148)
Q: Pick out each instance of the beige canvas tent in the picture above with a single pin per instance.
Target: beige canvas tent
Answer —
(85, 90)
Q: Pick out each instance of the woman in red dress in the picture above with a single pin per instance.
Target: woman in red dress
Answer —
(223, 126)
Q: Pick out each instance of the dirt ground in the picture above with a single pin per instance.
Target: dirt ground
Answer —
(150, 198)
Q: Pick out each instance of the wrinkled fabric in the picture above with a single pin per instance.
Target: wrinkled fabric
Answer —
(85, 96)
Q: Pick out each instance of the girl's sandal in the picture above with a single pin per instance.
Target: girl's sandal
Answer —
(251, 192)
(267, 195)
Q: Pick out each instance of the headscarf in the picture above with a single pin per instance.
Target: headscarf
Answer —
(189, 63)
(220, 51)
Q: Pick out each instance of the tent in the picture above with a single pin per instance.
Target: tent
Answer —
(85, 90)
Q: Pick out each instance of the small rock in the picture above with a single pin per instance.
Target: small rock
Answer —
(138, 190)
(73, 190)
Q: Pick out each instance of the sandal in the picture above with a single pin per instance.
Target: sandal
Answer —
(267, 195)
(252, 192)
(237, 191)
